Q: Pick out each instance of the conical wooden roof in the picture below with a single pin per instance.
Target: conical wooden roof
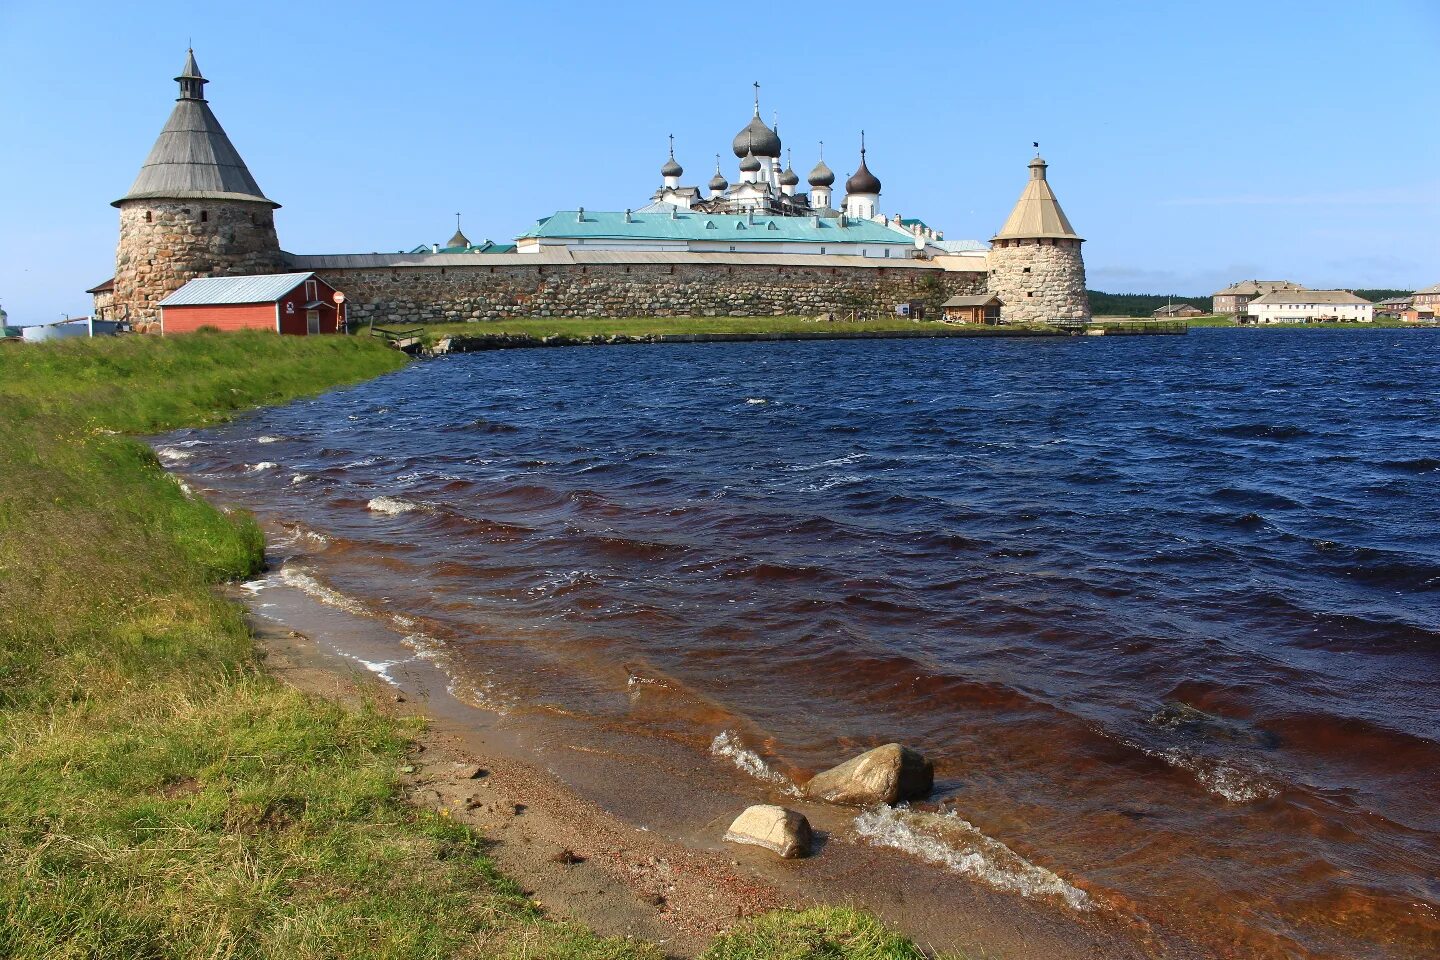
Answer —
(193, 158)
(1037, 213)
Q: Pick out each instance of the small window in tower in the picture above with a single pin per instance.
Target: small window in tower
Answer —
(1030, 294)
(1026, 270)
(149, 217)
(204, 216)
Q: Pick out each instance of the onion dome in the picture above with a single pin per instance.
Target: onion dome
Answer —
(821, 176)
(751, 163)
(788, 178)
(459, 239)
(862, 180)
(671, 168)
(717, 182)
(756, 137)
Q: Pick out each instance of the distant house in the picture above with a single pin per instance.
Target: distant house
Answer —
(1234, 298)
(104, 295)
(1173, 310)
(1311, 306)
(291, 303)
(1394, 306)
(1425, 306)
(978, 308)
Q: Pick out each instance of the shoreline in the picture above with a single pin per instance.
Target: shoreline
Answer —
(646, 818)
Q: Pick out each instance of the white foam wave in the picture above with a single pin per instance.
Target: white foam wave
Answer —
(381, 668)
(305, 583)
(185, 488)
(267, 439)
(171, 454)
(392, 505)
(1222, 779)
(299, 478)
(949, 841)
(727, 745)
(754, 401)
(262, 465)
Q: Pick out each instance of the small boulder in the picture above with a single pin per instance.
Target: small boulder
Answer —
(783, 831)
(888, 774)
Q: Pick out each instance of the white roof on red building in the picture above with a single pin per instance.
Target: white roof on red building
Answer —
(205, 291)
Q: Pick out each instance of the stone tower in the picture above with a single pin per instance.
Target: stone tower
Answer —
(194, 210)
(1035, 264)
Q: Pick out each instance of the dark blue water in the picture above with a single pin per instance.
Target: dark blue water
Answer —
(1165, 610)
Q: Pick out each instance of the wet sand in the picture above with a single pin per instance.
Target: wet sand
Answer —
(621, 832)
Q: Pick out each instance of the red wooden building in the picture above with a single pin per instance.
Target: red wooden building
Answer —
(293, 303)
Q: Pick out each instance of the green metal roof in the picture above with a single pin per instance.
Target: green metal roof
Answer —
(489, 246)
(604, 225)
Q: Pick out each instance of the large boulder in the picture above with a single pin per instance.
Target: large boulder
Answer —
(888, 774)
(774, 828)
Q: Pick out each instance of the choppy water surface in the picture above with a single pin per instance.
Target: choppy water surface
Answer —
(1165, 610)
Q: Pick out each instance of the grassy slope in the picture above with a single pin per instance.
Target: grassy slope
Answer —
(160, 796)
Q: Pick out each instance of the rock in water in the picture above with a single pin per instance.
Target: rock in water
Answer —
(888, 774)
(774, 828)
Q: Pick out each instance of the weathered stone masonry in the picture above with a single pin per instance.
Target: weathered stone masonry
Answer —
(425, 294)
(164, 244)
(1039, 279)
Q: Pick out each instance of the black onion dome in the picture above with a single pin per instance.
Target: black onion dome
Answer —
(750, 164)
(822, 176)
(672, 169)
(718, 183)
(789, 178)
(862, 180)
(758, 138)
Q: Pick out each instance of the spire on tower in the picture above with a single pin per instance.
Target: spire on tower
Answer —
(1037, 213)
(192, 84)
(192, 158)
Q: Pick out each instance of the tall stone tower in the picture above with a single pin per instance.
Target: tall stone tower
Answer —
(1035, 264)
(194, 210)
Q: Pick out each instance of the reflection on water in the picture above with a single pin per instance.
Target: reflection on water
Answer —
(1164, 611)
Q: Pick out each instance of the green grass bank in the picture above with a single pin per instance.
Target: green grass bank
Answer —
(580, 330)
(160, 795)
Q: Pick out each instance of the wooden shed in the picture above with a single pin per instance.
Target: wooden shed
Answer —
(977, 308)
(1173, 310)
(293, 303)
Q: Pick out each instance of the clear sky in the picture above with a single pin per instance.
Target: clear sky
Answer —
(1192, 144)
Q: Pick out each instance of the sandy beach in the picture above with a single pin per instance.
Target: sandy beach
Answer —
(624, 835)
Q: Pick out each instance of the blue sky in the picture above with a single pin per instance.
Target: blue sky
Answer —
(1191, 144)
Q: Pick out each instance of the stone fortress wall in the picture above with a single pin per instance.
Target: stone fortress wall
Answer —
(422, 294)
(1039, 280)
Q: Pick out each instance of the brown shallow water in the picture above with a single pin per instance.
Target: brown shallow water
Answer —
(1164, 613)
